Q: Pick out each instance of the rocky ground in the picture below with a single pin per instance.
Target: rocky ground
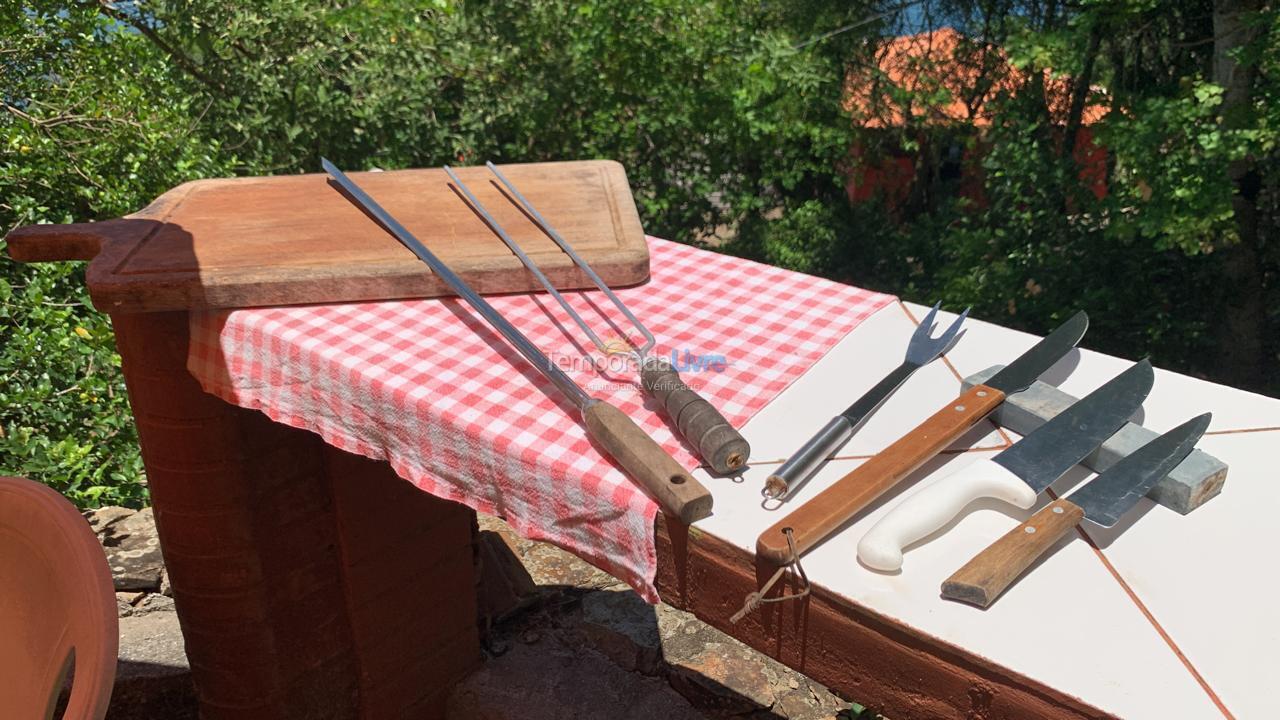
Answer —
(153, 679)
(562, 640)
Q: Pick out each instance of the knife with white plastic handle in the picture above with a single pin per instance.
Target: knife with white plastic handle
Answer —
(1016, 475)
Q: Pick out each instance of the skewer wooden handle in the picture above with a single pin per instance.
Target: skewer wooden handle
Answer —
(983, 578)
(675, 490)
(812, 522)
(717, 442)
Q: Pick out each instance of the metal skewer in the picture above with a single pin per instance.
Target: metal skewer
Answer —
(696, 419)
(922, 349)
(643, 459)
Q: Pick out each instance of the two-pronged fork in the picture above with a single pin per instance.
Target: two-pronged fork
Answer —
(922, 349)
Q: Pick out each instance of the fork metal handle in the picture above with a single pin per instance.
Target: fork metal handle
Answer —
(541, 222)
(804, 463)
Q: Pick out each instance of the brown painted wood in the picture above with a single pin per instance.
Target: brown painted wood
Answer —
(986, 576)
(676, 491)
(295, 239)
(862, 655)
(825, 513)
(309, 582)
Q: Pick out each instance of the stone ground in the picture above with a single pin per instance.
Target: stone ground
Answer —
(573, 641)
(153, 679)
(561, 638)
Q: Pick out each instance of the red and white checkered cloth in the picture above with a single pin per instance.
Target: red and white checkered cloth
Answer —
(429, 387)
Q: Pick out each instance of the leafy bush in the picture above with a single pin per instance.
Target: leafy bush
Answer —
(64, 417)
(92, 127)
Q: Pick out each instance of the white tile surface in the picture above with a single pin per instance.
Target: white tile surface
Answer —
(1212, 578)
(1069, 625)
(1208, 578)
(855, 364)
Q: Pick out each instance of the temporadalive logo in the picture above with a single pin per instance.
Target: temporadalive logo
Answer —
(620, 358)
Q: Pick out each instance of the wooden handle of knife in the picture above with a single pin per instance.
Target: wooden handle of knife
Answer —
(675, 490)
(697, 420)
(812, 522)
(983, 578)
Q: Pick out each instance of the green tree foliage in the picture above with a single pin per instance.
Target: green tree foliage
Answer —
(707, 104)
(1156, 260)
(729, 115)
(720, 122)
(92, 126)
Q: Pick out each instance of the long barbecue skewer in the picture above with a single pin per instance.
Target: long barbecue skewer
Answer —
(716, 441)
(644, 460)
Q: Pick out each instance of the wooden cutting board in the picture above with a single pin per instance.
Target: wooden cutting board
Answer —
(297, 239)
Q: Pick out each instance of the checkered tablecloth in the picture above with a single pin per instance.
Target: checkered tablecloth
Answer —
(429, 387)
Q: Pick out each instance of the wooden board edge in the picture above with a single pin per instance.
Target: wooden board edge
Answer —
(155, 292)
(626, 266)
(627, 220)
(857, 652)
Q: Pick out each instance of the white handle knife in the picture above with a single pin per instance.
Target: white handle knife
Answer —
(1016, 475)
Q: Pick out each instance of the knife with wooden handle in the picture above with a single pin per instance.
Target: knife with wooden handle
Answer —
(823, 515)
(1016, 475)
(1103, 500)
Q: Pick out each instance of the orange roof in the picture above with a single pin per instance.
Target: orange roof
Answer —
(948, 78)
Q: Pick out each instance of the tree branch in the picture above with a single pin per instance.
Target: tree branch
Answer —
(1080, 89)
(183, 61)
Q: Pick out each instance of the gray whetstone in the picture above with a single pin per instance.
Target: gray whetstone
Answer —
(1190, 485)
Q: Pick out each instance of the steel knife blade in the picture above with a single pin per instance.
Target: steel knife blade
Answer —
(1016, 475)
(1048, 452)
(1030, 365)
(1102, 500)
(1110, 495)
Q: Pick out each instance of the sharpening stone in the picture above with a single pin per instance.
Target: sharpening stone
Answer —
(1190, 485)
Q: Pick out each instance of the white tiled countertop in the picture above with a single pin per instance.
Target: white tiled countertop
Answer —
(1164, 616)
